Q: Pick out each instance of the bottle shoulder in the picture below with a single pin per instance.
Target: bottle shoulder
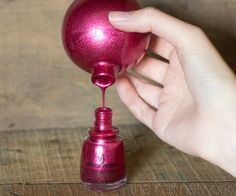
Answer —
(109, 136)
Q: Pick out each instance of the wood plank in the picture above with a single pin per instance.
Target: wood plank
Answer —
(41, 88)
(53, 155)
(150, 189)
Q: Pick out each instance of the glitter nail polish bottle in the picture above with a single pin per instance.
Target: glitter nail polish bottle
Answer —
(103, 156)
(97, 47)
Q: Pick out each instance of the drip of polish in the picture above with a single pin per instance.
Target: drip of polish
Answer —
(103, 75)
(103, 156)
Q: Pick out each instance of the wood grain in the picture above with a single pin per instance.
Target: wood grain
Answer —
(46, 162)
(52, 156)
(131, 189)
(41, 88)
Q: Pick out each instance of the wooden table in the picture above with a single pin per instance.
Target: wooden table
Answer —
(46, 162)
(40, 87)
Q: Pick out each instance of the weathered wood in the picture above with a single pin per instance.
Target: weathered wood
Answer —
(131, 189)
(41, 88)
(42, 156)
(46, 162)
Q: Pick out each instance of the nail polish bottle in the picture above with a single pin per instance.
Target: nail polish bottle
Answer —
(94, 45)
(103, 157)
(97, 47)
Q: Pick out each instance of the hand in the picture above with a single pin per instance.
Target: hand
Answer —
(196, 109)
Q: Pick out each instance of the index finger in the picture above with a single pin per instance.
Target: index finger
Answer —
(173, 30)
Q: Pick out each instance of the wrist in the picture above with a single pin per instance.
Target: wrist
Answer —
(220, 148)
(226, 158)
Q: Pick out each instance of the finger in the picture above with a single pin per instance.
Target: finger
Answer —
(152, 68)
(134, 103)
(148, 92)
(201, 62)
(161, 47)
(152, 20)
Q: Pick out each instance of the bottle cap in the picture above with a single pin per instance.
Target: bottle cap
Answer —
(103, 74)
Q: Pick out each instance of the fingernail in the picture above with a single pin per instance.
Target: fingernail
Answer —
(118, 16)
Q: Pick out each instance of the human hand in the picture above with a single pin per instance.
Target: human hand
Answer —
(196, 109)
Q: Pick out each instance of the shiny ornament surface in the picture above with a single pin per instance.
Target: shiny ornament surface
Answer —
(94, 45)
(91, 41)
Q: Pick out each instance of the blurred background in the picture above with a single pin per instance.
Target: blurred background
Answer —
(41, 88)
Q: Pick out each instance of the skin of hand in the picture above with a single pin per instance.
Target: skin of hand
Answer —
(196, 110)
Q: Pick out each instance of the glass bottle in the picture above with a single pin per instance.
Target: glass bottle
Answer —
(103, 156)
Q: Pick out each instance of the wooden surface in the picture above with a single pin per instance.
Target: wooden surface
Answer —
(41, 88)
(43, 96)
(46, 162)
(131, 189)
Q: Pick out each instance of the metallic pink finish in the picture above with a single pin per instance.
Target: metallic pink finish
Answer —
(89, 39)
(103, 157)
(96, 46)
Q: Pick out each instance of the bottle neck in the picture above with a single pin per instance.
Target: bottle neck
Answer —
(104, 74)
(103, 119)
